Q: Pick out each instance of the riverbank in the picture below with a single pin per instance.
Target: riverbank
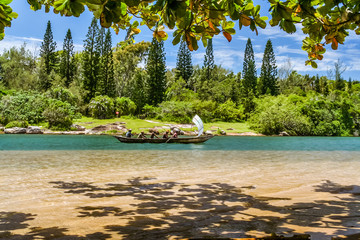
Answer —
(118, 126)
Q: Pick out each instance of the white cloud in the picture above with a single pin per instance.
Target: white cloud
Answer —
(285, 49)
(32, 44)
(276, 32)
(242, 38)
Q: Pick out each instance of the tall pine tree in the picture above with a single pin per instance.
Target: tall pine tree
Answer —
(249, 69)
(183, 63)
(67, 63)
(249, 82)
(156, 69)
(91, 61)
(209, 59)
(317, 86)
(268, 75)
(107, 85)
(47, 50)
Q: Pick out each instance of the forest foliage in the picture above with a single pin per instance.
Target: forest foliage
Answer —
(132, 79)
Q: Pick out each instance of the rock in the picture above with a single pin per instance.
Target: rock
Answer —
(175, 129)
(100, 128)
(34, 130)
(182, 132)
(2, 129)
(222, 132)
(230, 129)
(356, 133)
(208, 132)
(284, 134)
(78, 127)
(121, 127)
(15, 130)
(90, 132)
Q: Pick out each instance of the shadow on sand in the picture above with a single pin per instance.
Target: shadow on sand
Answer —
(170, 209)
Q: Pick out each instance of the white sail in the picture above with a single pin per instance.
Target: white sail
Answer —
(199, 124)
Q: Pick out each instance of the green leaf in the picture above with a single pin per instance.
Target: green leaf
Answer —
(123, 8)
(198, 29)
(77, 8)
(176, 39)
(314, 64)
(95, 2)
(256, 10)
(135, 24)
(357, 31)
(287, 26)
(249, 6)
(5, 2)
(230, 30)
(260, 22)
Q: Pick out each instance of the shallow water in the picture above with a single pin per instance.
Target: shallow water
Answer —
(226, 187)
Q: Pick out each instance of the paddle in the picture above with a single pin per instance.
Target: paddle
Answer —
(168, 140)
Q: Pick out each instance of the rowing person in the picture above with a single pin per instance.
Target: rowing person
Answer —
(153, 135)
(141, 135)
(128, 134)
(166, 134)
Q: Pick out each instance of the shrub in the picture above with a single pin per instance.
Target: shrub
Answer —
(228, 112)
(125, 106)
(174, 111)
(61, 94)
(23, 106)
(59, 115)
(102, 107)
(205, 109)
(181, 111)
(21, 124)
(150, 111)
(273, 115)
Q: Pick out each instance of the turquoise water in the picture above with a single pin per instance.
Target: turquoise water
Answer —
(85, 142)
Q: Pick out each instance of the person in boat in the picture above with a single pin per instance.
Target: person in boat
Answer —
(142, 135)
(153, 135)
(166, 134)
(128, 133)
(175, 135)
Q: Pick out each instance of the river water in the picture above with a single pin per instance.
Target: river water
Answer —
(94, 187)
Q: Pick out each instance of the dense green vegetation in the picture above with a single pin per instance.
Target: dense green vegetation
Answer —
(103, 82)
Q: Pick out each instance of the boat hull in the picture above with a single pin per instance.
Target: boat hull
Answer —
(200, 139)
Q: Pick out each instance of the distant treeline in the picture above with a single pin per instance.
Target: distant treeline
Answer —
(132, 79)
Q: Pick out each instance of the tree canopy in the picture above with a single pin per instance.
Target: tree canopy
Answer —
(324, 21)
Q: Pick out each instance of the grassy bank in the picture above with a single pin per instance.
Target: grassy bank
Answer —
(139, 124)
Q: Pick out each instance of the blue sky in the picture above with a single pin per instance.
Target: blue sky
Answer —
(30, 27)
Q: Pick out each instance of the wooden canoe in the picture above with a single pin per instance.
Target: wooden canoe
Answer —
(200, 139)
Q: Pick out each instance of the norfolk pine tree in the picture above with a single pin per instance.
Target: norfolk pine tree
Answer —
(209, 59)
(48, 58)
(183, 64)
(107, 82)
(249, 82)
(268, 75)
(47, 50)
(156, 69)
(67, 64)
(91, 61)
(249, 69)
(317, 86)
